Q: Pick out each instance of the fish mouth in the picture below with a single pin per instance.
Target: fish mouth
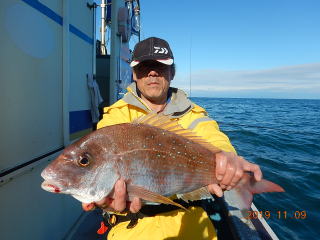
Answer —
(50, 187)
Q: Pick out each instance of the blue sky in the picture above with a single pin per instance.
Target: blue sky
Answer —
(240, 48)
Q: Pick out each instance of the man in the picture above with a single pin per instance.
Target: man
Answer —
(153, 69)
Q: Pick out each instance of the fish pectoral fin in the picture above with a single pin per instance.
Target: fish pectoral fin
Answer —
(201, 193)
(150, 196)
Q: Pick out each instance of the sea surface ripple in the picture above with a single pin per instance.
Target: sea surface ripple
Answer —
(282, 136)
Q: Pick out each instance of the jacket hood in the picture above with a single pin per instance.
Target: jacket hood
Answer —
(178, 106)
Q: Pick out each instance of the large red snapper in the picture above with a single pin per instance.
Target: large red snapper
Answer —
(156, 158)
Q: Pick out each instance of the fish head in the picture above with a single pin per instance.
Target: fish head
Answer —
(84, 170)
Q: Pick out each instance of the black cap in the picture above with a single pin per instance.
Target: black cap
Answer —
(152, 49)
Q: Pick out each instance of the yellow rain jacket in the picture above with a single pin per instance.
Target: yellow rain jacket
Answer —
(177, 224)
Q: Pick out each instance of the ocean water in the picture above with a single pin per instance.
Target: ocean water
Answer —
(282, 136)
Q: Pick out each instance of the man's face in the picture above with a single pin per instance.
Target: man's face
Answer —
(153, 80)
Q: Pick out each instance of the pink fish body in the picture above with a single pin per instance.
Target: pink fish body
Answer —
(156, 158)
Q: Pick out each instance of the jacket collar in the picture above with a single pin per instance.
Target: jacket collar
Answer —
(178, 106)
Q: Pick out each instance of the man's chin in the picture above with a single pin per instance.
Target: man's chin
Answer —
(153, 97)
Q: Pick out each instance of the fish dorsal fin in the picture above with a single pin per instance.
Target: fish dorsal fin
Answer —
(201, 193)
(164, 122)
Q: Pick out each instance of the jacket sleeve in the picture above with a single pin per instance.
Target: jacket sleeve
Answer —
(114, 116)
(119, 112)
(207, 128)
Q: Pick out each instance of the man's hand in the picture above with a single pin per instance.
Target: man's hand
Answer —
(117, 204)
(230, 169)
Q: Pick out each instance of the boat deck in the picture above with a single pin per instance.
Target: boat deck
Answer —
(87, 226)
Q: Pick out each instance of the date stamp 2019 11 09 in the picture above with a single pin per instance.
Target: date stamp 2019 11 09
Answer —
(279, 215)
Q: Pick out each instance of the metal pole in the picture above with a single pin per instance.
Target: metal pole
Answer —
(94, 49)
(190, 63)
(120, 57)
(140, 20)
(65, 72)
(114, 56)
(103, 27)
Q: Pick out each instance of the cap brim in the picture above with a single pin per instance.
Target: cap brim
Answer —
(134, 63)
(168, 61)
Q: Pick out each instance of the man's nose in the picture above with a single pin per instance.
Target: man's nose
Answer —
(153, 73)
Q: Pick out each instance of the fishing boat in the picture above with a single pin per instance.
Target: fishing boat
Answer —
(55, 77)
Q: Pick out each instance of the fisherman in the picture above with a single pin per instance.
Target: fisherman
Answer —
(153, 70)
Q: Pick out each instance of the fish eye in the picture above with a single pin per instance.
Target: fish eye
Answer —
(84, 161)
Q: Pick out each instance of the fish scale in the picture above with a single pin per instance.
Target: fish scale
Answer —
(169, 176)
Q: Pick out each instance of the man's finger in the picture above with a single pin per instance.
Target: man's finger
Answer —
(231, 170)
(120, 192)
(135, 205)
(88, 206)
(221, 165)
(237, 176)
(250, 167)
(215, 189)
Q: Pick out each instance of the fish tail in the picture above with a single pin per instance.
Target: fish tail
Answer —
(248, 186)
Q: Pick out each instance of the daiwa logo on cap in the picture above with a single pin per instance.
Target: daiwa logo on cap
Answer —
(163, 50)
